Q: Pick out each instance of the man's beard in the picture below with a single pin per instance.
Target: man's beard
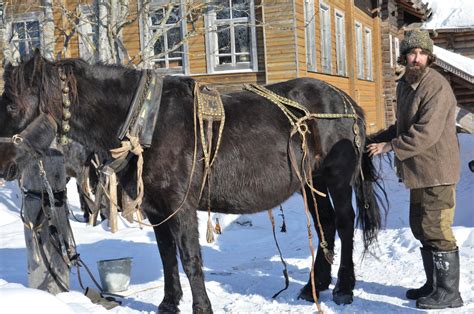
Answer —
(413, 73)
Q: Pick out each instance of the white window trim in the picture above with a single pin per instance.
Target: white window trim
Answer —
(210, 37)
(310, 33)
(325, 9)
(396, 42)
(390, 49)
(145, 36)
(359, 52)
(341, 63)
(369, 60)
(23, 17)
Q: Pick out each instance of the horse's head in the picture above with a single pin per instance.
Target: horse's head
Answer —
(29, 113)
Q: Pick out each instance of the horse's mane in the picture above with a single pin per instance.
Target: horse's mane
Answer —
(43, 75)
(99, 70)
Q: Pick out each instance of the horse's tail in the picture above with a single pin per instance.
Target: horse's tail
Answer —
(369, 215)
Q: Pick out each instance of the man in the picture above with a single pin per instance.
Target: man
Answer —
(426, 150)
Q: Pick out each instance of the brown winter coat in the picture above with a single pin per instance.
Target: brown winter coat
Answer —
(424, 136)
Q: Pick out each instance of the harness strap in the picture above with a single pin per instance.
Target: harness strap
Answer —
(285, 270)
(210, 109)
(132, 145)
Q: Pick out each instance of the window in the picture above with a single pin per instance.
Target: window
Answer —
(2, 8)
(230, 36)
(325, 38)
(391, 49)
(310, 35)
(340, 44)
(359, 51)
(368, 54)
(88, 33)
(397, 49)
(26, 36)
(164, 44)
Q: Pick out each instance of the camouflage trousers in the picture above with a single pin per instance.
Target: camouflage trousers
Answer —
(432, 215)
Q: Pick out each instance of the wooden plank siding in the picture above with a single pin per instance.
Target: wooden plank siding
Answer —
(461, 42)
(366, 91)
(279, 41)
(131, 33)
(368, 94)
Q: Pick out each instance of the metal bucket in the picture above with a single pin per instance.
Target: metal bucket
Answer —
(115, 274)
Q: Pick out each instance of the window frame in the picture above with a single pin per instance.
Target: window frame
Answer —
(341, 47)
(359, 50)
(36, 16)
(326, 37)
(310, 33)
(211, 42)
(390, 38)
(369, 50)
(146, 35)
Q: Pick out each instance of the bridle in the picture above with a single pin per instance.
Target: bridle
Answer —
(22, 139)
(16, 139)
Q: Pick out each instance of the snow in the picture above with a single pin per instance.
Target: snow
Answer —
(458, 61)
(448, 14)
(242, 266)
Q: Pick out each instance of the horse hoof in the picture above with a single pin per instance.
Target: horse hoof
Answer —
(307, 294)
(340, 298)
(167, 308)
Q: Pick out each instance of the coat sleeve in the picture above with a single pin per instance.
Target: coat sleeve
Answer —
(428, 127)
(385, 135)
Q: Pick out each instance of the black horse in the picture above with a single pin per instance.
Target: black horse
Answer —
(252, 172)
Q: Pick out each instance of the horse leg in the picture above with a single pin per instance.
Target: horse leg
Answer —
(322, 268)
(168, 250)
(191, 259)
(341, 194)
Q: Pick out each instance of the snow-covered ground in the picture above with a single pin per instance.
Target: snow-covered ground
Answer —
(242, 266)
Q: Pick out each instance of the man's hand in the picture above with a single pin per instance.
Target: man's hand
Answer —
(379, 148)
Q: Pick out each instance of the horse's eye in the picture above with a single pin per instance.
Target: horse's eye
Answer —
(12, 108)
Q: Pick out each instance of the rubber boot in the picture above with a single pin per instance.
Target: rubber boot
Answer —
(446, 288)
(427, 288)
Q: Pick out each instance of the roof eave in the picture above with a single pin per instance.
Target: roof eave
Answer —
(454, 70)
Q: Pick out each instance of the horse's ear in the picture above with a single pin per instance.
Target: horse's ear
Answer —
(34, 66)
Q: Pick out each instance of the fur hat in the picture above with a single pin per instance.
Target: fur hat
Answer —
(416, 39)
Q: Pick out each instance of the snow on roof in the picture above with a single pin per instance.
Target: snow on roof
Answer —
(448, 14)
(460, 62)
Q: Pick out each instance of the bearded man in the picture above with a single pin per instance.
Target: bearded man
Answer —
(426, 149)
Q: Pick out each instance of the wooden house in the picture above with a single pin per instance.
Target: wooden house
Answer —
(226, 43)
(452, 30)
